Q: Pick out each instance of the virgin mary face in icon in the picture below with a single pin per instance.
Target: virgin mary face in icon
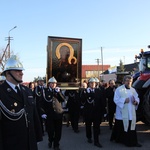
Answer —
(64, 53)
(67, 62)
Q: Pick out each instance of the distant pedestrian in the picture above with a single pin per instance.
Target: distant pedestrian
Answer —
(31, 86)
(38, 90)
(111, 106)
(73, 105)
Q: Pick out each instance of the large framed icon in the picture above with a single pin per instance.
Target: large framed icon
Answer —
(64, 61)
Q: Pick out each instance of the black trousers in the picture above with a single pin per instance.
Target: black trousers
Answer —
(96, 129)
(111, 113)
(54, 129)
(128, 138)
(74, 118)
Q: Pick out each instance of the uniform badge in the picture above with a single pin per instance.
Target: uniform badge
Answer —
(8, 89)
(13, 110)
(15, 104)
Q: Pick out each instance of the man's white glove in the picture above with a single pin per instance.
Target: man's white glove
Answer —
(57, 89)
(81, 107)
(44, 116)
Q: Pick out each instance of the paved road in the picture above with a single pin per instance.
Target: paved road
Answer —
(77, 141)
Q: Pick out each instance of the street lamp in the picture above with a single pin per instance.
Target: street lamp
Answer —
(10, 38)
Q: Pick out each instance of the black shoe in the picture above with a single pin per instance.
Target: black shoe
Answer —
(76, 131)
(98, 145)
(56, 148)
(138, 145)
(50, 144)
(89, 140)
(111, 138)
(110, 127)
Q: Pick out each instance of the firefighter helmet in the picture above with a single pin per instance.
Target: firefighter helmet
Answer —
(97, 80)
(92, 80)
(13, 63)
(2, 78)
(39, 79)
(52, 80)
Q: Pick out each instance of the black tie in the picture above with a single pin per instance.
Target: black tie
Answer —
(18, 91)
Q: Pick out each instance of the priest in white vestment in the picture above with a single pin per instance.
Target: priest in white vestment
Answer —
(127, 101)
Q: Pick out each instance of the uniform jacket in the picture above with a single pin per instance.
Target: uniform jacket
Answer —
(47, 103)
(37, 95)
(93, 102)
(18, 132)
(73, 103)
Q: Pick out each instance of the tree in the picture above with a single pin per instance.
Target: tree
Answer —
(3, 57)
(121, 67)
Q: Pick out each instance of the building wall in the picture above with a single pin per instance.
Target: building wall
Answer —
(93, 70)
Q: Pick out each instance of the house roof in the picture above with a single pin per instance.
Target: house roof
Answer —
(127, 67)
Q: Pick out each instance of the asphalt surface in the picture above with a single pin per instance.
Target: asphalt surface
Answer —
(78, 141)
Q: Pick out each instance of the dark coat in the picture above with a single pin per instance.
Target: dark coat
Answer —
(73, 103)
(24, 132)
(95, 110)
(37, 96)
(109, 92)
(47, 103)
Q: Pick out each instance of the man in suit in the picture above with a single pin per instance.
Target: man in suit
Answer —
(109, 92)
(19, 120)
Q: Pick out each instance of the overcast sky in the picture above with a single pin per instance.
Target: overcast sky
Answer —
(120, 27)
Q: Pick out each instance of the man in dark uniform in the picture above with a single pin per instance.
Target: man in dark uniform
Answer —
(92, 98)
(37, 95)
(73, 105)
(54, 118)
(109, 92)
(19, 122)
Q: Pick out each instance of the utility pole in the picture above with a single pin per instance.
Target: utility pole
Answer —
(124, 60)
(98, 62)
(102, 60)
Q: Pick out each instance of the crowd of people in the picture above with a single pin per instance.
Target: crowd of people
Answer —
(26, 113)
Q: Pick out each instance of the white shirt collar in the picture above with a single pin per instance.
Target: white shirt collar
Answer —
(12, 85)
